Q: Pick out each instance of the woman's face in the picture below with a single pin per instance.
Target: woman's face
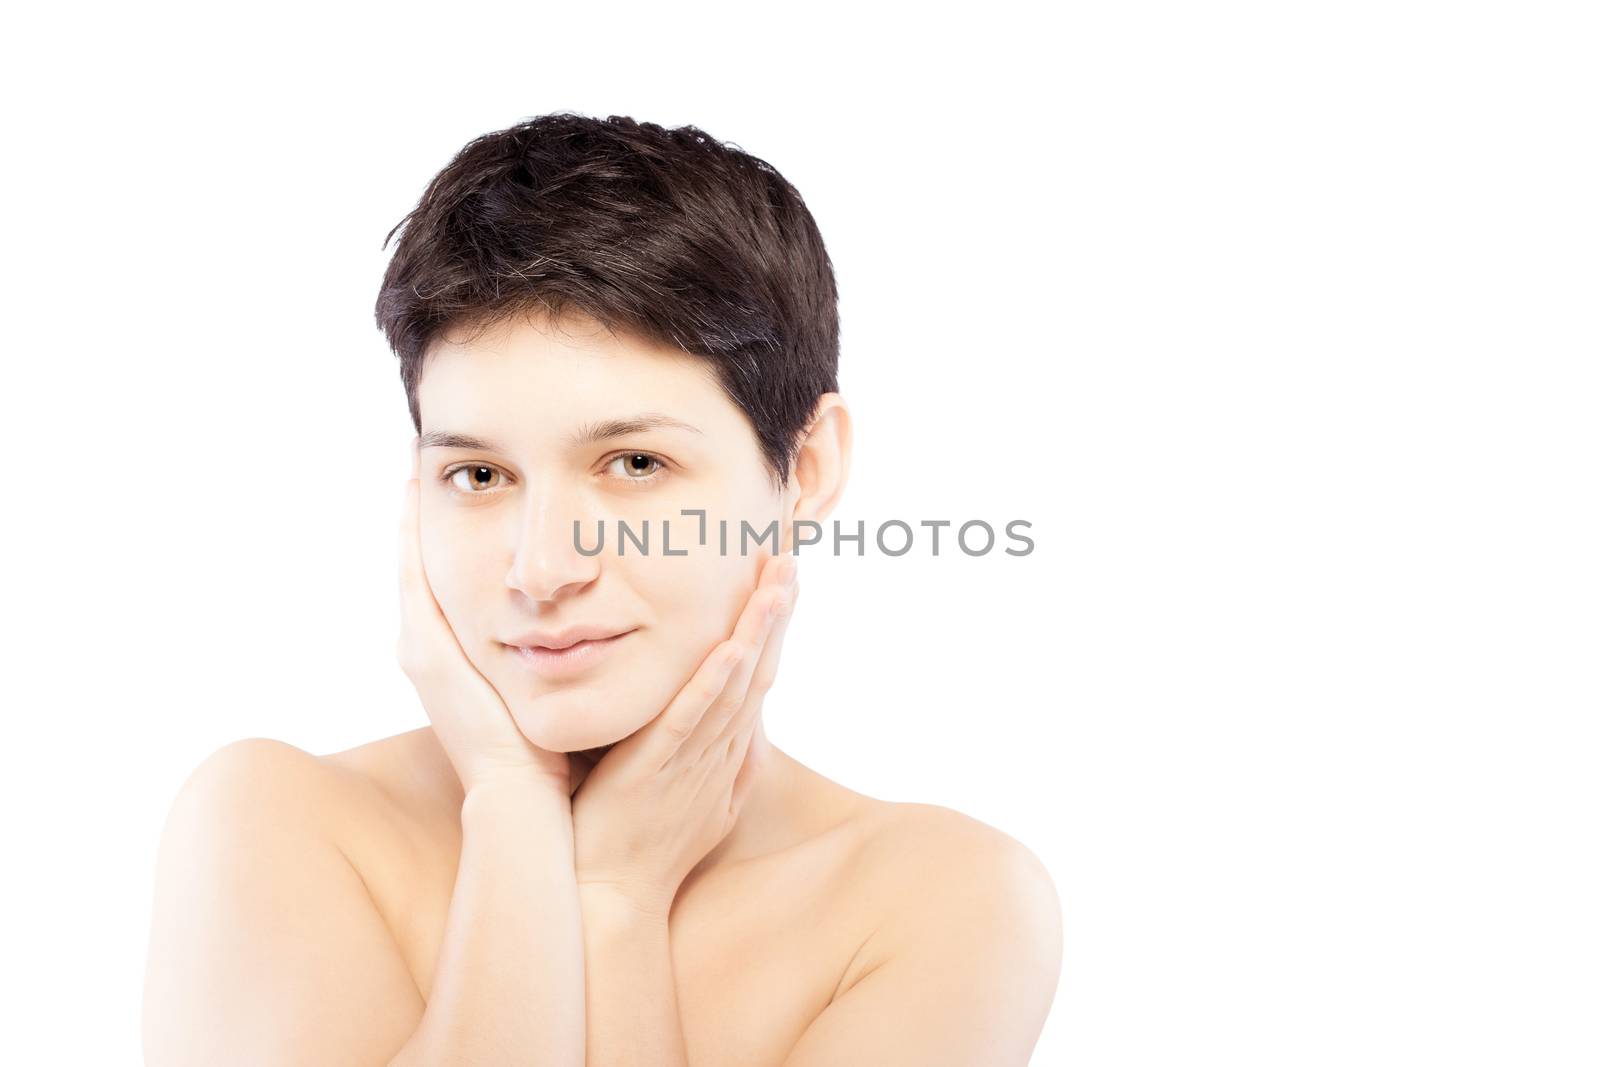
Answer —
(545, 406)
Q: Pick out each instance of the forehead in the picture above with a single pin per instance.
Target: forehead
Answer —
(531, 374)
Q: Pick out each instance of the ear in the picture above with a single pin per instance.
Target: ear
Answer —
(821, 466)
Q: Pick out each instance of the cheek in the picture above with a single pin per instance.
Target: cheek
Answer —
(699, 605)
(689, 605)
(459, 569)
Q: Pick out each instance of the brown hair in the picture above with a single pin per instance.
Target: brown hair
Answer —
(667, 234)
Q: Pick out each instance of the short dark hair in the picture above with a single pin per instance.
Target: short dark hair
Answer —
(668, 234)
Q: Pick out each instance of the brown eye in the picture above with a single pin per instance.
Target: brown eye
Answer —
(637, 466)
(473, 478)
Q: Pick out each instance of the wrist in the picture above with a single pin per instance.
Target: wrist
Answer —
(612, 903)
(531, 788)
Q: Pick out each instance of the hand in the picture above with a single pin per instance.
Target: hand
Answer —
(665, 795)
(468, 715)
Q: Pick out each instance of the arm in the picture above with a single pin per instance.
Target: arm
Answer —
(266, 947)
(509, 984)
(632, 997)
(650, 811)
(963, 974)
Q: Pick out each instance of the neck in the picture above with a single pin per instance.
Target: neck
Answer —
(763, 817)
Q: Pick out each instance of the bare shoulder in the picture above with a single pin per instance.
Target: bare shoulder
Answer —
(928, 838)
(407, 772)
(391, 784)
(254, 779)
(939, 869)
(387, 810)
(963, 959)
(260, 916)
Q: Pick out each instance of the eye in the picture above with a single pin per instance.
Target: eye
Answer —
(479, 477)
(638, 467)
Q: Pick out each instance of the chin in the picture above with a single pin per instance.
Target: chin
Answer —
(565, 721)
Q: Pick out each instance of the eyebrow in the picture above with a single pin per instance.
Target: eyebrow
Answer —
(588, 433)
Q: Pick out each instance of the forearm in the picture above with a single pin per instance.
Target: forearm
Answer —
(508, 986)
(632, 1001)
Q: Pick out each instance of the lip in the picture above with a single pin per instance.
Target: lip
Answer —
(556, 640)
(573, 658)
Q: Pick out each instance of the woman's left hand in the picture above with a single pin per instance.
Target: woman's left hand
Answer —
(664, 796)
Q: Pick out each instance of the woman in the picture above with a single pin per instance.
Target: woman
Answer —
(593, 855)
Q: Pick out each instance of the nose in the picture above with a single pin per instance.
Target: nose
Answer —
(546, 564)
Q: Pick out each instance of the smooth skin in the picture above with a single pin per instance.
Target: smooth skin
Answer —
(461, 894)
(637, 824)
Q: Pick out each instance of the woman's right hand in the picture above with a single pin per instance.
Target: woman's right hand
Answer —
(468, 715)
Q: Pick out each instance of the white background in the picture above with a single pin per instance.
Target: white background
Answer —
(1277, 321)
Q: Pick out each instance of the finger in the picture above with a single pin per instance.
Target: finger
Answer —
(753, 630)
(409, 567)
(414, 588)
(660, 741)
(680, 731)
(412, 583)
(763, 667)
(764, 672)
(425, 635)
(410, 537)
